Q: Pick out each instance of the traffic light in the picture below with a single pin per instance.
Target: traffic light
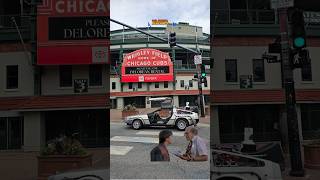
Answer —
(172, 39)
(300, 58)
(203, 79)
(304, 57)
(298, 33)
(205, 82)
(203, 71)
(195, 76)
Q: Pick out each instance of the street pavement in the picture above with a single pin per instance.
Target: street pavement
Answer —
(311, 174)
(130, 154)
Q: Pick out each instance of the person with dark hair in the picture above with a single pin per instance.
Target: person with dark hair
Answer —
(160, 152)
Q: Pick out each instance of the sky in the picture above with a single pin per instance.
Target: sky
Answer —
(138, 13)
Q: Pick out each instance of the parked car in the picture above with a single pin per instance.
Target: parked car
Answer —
(167, 115)
(192, 108)
(235, 166)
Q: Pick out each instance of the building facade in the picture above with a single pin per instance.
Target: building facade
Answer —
(40, 103)
(242, 33)
(183, 89)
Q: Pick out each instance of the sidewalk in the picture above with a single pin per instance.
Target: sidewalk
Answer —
(19, 165)
(311, 174)
(116, 115)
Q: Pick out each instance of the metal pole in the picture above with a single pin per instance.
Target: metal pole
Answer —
(37, 69)
(292, 120)
(21, 7)
(200, 97)
(174, 71)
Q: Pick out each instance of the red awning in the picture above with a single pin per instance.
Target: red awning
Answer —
(55, 102)
(158, 93)
(11, 103)
(262, 96)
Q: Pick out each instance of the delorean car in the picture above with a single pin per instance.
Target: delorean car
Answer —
(168, 115)
(235, 166)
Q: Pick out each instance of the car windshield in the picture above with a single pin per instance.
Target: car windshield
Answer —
(166, 105)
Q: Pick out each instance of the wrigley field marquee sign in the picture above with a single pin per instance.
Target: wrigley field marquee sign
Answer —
(73, 32)
(147, 65)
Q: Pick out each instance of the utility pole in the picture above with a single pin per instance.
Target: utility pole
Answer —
(174, 71)
(36, 68)
(201, 101)
(288, 80)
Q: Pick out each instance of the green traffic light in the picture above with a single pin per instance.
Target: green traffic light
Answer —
(203, 74)
(299, 42)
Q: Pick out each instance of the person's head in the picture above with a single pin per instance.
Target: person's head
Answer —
(165, 136)
(190, 132)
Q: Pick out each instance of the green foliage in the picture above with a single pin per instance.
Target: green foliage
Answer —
(129, 107)
(63, 146)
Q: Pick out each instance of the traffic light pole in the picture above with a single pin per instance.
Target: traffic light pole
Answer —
(201, 103)
(288, 80)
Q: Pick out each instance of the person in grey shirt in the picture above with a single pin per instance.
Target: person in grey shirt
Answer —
(197, 148)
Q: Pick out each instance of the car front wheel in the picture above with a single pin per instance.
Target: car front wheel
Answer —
(181, 124)
(136, 124)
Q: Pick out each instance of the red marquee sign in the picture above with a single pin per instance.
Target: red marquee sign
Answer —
(73, 32)
(147, 65)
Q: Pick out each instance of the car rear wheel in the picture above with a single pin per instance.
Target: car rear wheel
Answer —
(181, 124)
(136, 124)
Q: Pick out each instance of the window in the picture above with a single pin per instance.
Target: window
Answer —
(190, 83)
(11, 136)
(231, 70)
(12, 77)
(238, 4)
(310, 114)
(130, 85)
(65, 73)
(165, 84)
(95, 75)
(258, 70)
(244, 116)
(113, 85)
(156, 85)
(182, 83)
(139, 85)
(306, 72)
